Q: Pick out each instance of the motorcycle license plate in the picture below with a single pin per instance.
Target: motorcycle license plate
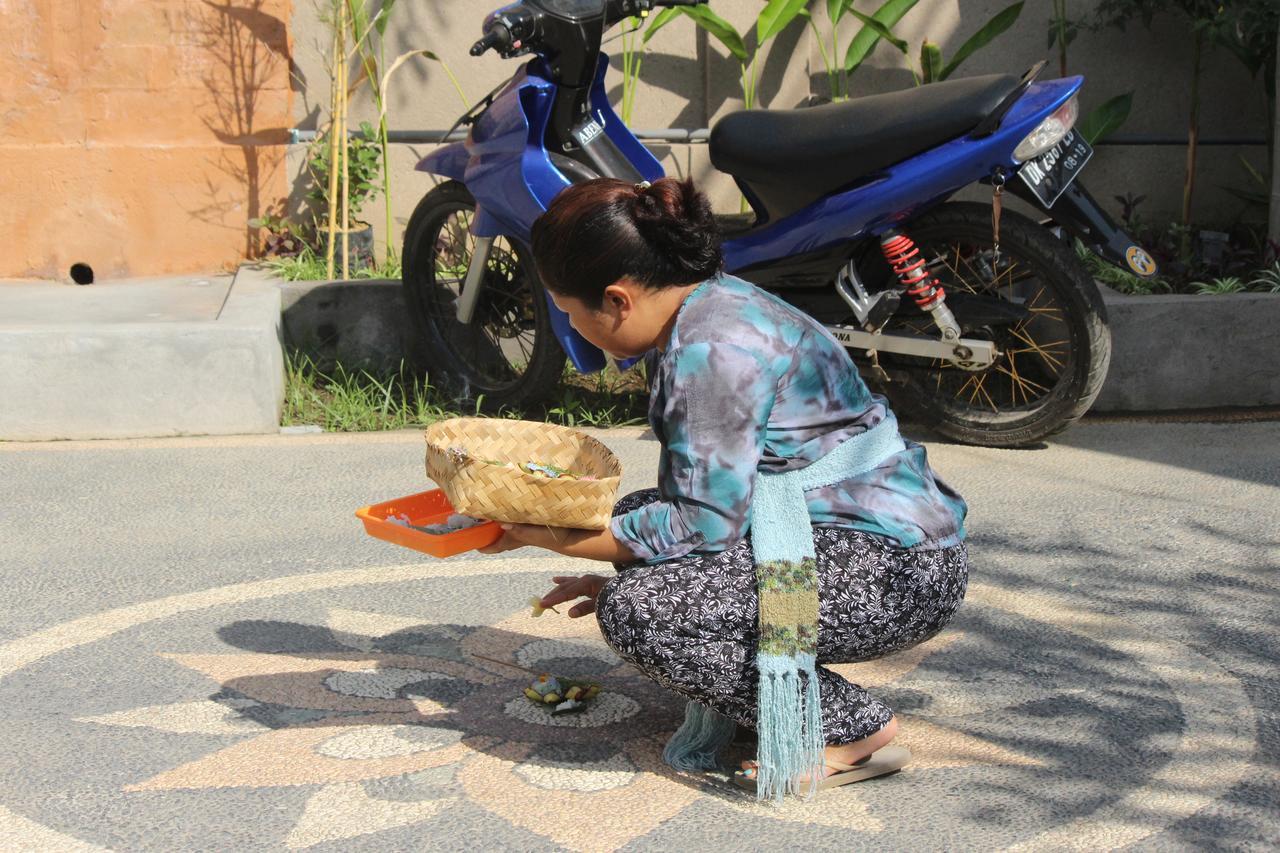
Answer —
(1050, 173)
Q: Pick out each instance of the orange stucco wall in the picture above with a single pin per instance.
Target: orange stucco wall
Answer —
(139, 136)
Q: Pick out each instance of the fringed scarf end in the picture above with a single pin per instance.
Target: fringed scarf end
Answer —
(790, 754)
(697, 743)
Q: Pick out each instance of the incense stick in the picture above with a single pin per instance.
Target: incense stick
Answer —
(504, 663)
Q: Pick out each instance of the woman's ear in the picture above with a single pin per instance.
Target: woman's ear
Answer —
(618, 300)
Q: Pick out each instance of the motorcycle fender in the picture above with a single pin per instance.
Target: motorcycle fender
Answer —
(450, 161)
(1081, 216)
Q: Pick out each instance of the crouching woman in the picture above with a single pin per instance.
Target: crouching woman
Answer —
(792, 526)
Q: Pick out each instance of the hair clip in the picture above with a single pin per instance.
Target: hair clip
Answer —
(643, 185)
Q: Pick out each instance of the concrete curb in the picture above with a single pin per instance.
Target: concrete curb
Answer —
(97, 377)
(1192, 352)
(1169, 352)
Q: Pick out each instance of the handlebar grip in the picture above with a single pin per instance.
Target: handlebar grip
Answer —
(498, 37)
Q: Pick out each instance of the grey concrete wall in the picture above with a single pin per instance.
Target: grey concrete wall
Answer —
(1192, 352)
(688, 81)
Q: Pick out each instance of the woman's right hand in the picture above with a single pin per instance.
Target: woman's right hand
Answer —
(570, 587)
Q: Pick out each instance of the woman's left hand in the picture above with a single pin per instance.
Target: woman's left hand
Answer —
(588, 544)
(529, 535)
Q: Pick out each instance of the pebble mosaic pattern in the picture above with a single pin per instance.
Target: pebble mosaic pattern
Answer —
(372, 728)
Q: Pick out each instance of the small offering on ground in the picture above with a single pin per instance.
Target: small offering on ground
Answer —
(546, 691)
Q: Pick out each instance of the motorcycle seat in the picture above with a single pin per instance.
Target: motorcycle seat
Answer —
(791, 158)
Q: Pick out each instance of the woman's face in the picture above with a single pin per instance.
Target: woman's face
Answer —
(630, 321)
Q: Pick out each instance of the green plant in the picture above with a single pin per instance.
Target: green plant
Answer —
(347, 400)
(363, 166)
(1106, 118)
(1062, 32)
(840, 67)
(1255, 195)
(633, 48)
(932, 65)
(1129, 208)
(772, 20)
(1226, 284)
(280, 238)
(1247, 28)
(372, 54)
(1267, 280)
(307, 265)
(1118, 279)
(353, 401)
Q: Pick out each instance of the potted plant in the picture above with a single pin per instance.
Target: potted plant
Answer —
(364, 162)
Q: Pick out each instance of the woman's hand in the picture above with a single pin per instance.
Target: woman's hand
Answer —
(529, 535)
(568, 588)
(588, 544)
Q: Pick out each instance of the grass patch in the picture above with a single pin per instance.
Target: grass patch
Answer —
(342, 400)
(307, 265)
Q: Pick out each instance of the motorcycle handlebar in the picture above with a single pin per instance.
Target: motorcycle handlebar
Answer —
(498, 36)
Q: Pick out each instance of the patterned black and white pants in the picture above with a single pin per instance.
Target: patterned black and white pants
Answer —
(692, 623)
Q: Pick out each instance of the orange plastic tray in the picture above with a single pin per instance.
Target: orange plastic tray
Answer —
(425, 508)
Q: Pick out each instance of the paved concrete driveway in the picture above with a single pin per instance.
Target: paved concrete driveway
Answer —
(201, 650)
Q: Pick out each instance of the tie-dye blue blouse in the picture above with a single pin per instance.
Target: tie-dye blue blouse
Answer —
(748, 383)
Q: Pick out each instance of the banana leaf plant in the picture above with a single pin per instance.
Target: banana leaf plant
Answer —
(840, 65)
(933, 67)
(775, 17)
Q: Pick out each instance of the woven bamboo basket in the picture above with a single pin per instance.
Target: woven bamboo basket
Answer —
(459, 456)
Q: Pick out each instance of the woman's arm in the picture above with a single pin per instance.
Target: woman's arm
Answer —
(713, 401)
(587, 544)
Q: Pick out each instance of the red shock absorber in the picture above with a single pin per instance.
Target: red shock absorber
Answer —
(901, 253)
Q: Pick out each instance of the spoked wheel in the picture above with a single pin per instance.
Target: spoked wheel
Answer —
(1053, 359)
(507, 354)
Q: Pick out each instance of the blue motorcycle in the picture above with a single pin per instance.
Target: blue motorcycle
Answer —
(983, 323)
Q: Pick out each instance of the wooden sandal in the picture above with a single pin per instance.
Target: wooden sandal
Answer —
(882, 762)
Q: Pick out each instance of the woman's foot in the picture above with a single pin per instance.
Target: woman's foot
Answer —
(845, 753)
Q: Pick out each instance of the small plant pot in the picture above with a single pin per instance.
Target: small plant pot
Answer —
(359, 244)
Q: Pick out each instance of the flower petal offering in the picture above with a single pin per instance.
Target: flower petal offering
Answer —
(559, 695)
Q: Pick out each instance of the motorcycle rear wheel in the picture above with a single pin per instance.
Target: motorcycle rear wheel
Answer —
(1051, 365)
(507, 356)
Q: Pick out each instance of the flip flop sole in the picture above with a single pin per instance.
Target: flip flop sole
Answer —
(882, 762)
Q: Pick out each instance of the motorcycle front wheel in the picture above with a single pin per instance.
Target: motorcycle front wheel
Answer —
(1052, 363)
(507, 356)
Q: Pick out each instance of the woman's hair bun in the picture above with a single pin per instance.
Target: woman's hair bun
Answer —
(673, 202)
(600, 231)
